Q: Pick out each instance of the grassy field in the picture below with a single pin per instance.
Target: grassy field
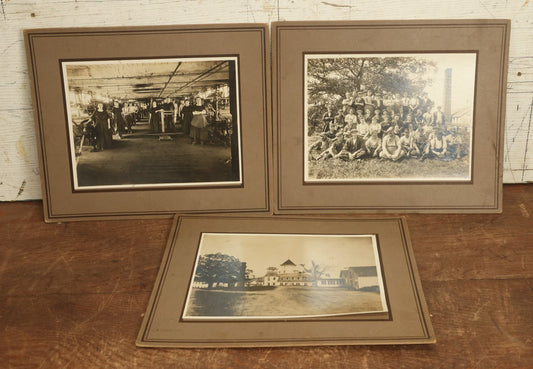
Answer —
(373, 168)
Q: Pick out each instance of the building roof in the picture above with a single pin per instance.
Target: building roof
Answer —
(288, 263)
(462, 112)
(366, 271)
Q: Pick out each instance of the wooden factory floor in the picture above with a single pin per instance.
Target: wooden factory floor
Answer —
(142, 157)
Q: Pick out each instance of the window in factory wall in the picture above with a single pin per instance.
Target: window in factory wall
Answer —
(153, 122)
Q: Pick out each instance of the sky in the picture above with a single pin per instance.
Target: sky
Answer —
(463, 78)
(260, 251)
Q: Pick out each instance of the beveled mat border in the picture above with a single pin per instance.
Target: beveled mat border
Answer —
(257, 195)
(173, 279)
(293, 196)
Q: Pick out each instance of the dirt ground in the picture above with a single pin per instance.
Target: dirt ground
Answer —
(282, 301)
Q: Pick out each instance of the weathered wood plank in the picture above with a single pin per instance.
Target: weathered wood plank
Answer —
(17, 128)
(479, 324)
(453, 247)
(107, 256)
(72, 295)
(477, 246)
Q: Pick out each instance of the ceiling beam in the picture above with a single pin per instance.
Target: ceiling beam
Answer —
(169, 79)
(201, 76)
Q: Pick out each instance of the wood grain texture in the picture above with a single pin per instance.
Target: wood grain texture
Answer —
(72, 295)
(19, 167)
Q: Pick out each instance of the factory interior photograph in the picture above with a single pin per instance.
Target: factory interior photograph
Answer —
(153, 123)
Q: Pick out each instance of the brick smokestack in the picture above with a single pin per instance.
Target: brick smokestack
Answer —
(448, 95)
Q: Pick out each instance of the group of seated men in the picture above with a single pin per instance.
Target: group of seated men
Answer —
(386, 126)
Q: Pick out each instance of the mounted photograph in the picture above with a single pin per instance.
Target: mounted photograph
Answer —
(389, 117)
(280, 276)
(286, 281)
(153, 122)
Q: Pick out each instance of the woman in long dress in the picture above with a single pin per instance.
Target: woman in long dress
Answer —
(155, 117)
(199, 133)
(102, 124)
(186, 117)
(119, 124)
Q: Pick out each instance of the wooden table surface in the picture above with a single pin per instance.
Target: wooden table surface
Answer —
(72, 295)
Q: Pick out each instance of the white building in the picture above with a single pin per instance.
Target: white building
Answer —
(360, 277)
(331, 282)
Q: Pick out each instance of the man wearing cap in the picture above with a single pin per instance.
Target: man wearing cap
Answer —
(427, 118)
(378, 101)
(414, 103)
(409, 119)
(397, 104)
(350, 120)
(327, 118)
(348, 147)
(338, 125)
(397, 123)
(388, 103)
(425, 103)
(370, 104)
(438, 118)
(377, 114)
(359, 102)
(386, 123)
(363, 130)
(373, 145)
(360, 116)
(391, 147)
(354, 146)
(319, 146)
(455, 146)
(347, 102)
(408, 143)
(405, 104)
(335, 147)
(436, 147)
(419, 118)
(375, 126)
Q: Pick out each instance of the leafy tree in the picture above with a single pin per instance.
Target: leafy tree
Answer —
(330, 78)
(219, 268)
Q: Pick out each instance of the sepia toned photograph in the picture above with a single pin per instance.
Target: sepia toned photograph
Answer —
(153, 122)
(279, 276)
(389, 117)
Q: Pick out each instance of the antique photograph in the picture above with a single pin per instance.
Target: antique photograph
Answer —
(153, 122)
(279, 276)
(389, 117)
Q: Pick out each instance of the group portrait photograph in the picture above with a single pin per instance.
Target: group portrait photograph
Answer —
(389, 117)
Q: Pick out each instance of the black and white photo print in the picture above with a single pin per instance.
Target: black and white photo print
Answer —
(153, 122)
(389, 117)
(280, 276)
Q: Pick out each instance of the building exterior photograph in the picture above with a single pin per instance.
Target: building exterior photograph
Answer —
(242, 276)
(290, 274)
